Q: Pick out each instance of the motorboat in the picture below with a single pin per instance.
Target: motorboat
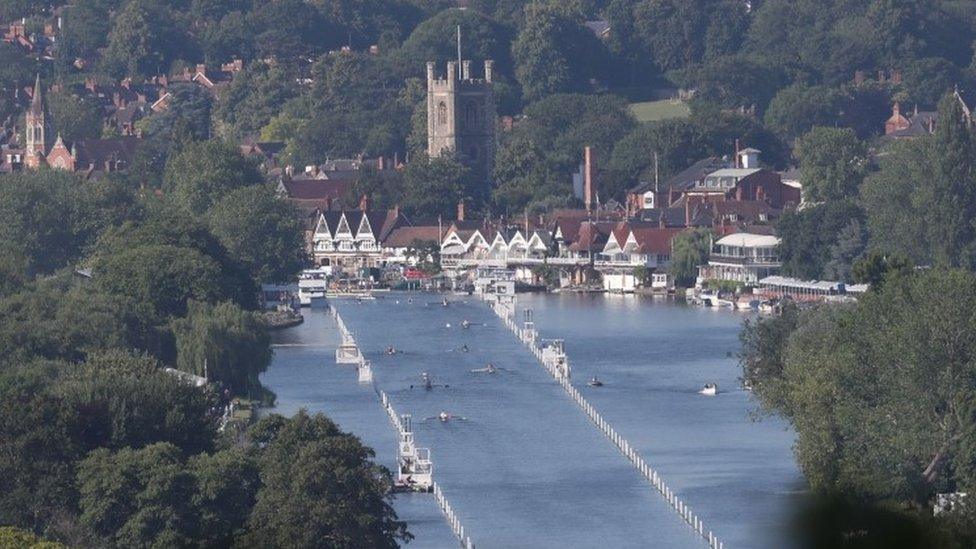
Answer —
(465, 323)
(710, 389)
(594, 382)
(312, 287)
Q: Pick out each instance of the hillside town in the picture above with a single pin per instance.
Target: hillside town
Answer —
(720, 209)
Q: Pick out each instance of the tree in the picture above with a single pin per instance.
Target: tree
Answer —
(436, 40)
(833, 163)
(161, 278)
(319, 487)
(689, 250)
(797, 109)
(263, 232)
(554, 54)
(74, 118)
(144, 40)
(898, 217)
(877, 267)
(254, 97)
(877, 390)
(845, 253)
(224, 344)
(809, 236)
(953, 188)
(137, 498)
(733, 81)
(205, 172)
(677, 144)
(433, 187)
(17, 538)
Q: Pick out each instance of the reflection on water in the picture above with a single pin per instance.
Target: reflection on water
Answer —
(525, 468)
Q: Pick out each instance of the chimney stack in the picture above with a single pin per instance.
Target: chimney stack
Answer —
(737, 153)
(460, 210)
(379, 163)
(588, 178)
(364, 203)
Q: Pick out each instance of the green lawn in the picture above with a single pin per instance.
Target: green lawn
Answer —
(650, 111)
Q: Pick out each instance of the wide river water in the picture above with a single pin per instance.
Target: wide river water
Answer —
(525, 468)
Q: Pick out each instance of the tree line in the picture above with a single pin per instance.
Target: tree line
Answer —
(103, 287)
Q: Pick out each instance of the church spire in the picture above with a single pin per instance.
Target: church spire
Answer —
(37, 103)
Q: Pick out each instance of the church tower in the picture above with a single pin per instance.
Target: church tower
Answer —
(36, 143)
(461, 115)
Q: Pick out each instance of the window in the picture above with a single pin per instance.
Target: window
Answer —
(471, 114)
(442, 113)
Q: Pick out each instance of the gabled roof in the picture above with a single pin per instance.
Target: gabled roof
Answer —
(96, 152)
(687, 177)
(592, 236)
(655, 240)
(405, 236)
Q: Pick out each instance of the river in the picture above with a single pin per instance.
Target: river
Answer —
(524, 468)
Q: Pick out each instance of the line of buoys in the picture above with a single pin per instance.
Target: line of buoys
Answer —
(527, 334)
(450, 516)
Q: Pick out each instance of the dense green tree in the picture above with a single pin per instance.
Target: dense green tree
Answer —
(833, 163)
(74, 118)
(878, 391)
(289, 29)
(138, 497)
(161, 278)
(232, 37)
(677, 143)
(24, 539)
(85, 29)
(877, 267)
(57, 321)
(145, 39)
(436, 40)
(204, 172)
(254, 97)
(733, 81)
(433, 187)
(689, 250)
(846, 253)
(554, 53)
(51, 218)
(185, 118)
(227, 483)
(927, 79)
(262, 232)
(319, 487)
(384, 188)
(953, 189)
(796, 109)
(809, 235)
(224, 344)
(367, 22)
(896, 204)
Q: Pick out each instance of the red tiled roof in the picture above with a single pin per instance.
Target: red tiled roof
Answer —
(655, 240)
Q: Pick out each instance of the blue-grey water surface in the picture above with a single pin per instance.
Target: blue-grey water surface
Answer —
(525, 468)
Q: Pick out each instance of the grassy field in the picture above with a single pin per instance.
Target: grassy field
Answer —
(650, 111)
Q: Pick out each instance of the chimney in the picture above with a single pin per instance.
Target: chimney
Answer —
(201, 69)
(662, 221)
(460, 210)
(736, 165)
(466, 70)
(588, 178)
(396, 211)
(379, 163)
(896, 110)
(489, 66)
(364, 203)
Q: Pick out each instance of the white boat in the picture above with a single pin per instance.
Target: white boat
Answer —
(710, 389)
(312, 287)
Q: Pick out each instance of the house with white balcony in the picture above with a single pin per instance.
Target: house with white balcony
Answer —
(742, 257)
(351, 240)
